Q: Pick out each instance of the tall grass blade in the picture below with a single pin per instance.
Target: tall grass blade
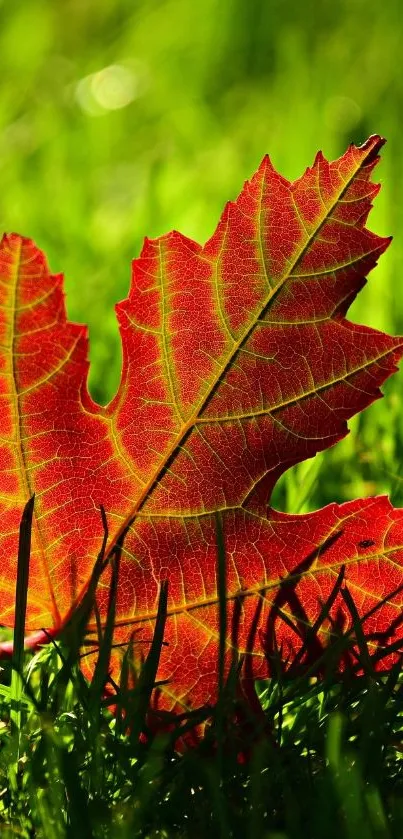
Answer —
(100, 676)
(21, 595)
(148, 673)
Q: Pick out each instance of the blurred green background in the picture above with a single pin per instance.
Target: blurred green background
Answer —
(124, 119)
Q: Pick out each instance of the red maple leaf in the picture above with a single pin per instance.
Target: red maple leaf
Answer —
(238, 362)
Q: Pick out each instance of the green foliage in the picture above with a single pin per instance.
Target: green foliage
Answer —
(209, 88)
(213, 85)
(324, 760)
(314, 757)
(89, 165)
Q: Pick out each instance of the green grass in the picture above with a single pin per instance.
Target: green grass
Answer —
(319, 753)
(89, 166)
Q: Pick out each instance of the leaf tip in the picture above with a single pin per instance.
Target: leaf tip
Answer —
(373, 146)
(266, 166)
(319, 158)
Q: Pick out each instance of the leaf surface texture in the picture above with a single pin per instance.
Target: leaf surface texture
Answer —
(238, 362)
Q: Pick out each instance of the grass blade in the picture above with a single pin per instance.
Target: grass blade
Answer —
(21, 596)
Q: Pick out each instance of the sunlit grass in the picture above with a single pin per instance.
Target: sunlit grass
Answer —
(120, 120)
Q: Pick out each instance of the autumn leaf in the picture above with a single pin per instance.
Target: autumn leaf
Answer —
(238, 362)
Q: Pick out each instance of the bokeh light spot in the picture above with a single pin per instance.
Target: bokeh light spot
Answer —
(109, 89)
